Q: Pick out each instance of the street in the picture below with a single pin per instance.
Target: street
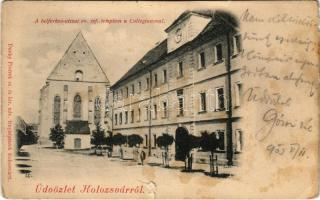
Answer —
(56, 166)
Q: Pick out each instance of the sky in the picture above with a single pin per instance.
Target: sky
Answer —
(38, 47)
(117, 47)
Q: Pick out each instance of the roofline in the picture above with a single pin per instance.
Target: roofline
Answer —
(161, 58)
(63, 55)
(140, 60)
(116, 84)
(94, 56)
(107, 83)
(79, 33)
(180, 19)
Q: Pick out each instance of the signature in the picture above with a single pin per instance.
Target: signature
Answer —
(274, 119)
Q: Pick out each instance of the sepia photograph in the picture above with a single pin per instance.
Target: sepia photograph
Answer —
(160, 99)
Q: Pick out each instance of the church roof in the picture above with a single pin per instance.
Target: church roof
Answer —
(78, 57)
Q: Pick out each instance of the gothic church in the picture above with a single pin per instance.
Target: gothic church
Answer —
(75, 96)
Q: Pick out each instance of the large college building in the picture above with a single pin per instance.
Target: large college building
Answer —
(189, 83)
(75, 96)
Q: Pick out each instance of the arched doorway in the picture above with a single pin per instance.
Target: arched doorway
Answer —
(181, 140)
(77, 143)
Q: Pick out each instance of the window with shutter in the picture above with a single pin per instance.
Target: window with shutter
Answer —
(220, 105)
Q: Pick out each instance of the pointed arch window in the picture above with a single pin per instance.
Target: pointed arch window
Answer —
(56, 110)
(97, 110)
(77, 107)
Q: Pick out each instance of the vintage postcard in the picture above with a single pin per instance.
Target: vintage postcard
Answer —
(107, 100)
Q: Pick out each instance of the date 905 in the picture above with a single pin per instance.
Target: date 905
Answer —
(294, 150)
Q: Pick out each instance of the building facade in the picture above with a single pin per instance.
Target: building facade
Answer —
(189, 80)
(75, 96)
(189, 83)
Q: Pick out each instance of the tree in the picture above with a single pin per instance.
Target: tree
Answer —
(185, 144)
(108, 139)
(20, 138)
(27, 138)
(98, 139)
(163, 142)
(57, 136)
(134, 140)
(210, 142)
(109, 143)
(98, 136)
(119, 139)
(193, 142)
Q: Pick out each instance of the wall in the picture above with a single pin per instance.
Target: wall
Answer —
(66, 109)
(69, 141)
(193, 82)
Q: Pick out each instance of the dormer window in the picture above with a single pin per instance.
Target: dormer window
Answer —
(237, 44)
(202, 60)
(218, 53)
(185, 28)
(178, 35)
(78, 75)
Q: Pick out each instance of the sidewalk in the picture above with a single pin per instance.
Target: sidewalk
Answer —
(155, 160)
(196, 167)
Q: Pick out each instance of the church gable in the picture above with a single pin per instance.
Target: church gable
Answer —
(78, 64)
